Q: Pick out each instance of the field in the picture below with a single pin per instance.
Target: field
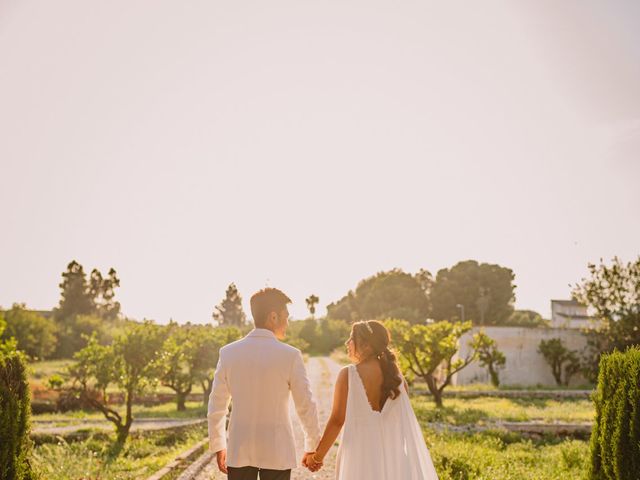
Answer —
(482, 410)
(94, 459)
(497, 455)
(500, 455)
(458, 451)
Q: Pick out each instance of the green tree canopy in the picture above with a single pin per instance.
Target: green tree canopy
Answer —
(612, 293)
(178, 360)
(189, 356)
(491, 358)
(35, 334)
(230, 312)
(92, 297)
(429, 351)
(209, 342)
(526, 318)
(75, 295)
(102, 293)
(131, 364)
(392, 294)
(564, 363)
(485, 291)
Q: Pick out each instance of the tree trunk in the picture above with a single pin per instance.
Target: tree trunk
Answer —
(437, 398)
(435, 391)
(180, 398)
(206, 389)
(122, 432)
(123, 429)
(557, 374)
(495, 379)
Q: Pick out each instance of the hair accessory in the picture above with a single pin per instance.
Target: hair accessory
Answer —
(366, 324)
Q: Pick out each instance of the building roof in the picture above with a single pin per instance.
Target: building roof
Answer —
(568, 303)
(574, 317)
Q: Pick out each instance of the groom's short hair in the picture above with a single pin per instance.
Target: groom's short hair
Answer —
(266, 301)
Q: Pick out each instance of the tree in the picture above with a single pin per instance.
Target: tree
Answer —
(101, 291)
(75, 298)
(35, 334)
(526, 318)
(131, 364)
(92, 300)
(309, 332)
(312, 301)
(211, 341)
(564, 363)
(428, 351)
(229, 312)
(320, 336)
(486, 291)
(74, 332)
(392, 294)
(190, 354)
(491, 358)
(331, 334)
(178, 360)
(15, 410)
(615, 436)
(612, 293)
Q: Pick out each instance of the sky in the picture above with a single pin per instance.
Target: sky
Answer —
(307, 145)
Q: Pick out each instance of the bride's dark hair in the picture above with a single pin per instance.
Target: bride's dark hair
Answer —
(377, 337)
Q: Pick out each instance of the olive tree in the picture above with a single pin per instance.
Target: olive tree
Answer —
(209, 342)
(564, 363)
(130, 363)
(429, 351)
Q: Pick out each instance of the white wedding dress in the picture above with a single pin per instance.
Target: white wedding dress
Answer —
(385, 445)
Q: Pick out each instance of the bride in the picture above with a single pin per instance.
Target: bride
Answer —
(382, 439)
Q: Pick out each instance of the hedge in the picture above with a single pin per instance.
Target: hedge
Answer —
(15, 445)
(615, 438)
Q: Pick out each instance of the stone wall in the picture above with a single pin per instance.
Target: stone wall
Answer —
(525, 366)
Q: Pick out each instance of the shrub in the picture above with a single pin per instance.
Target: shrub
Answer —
(564, 363)
(615, 439)
(15, 446)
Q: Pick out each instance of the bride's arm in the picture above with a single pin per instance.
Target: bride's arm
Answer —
(338, 412)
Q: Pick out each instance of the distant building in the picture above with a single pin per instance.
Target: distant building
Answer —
(570, 314)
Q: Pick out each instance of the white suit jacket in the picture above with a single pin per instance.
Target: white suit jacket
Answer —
(258, 372)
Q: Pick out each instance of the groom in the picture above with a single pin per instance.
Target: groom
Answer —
(258, 372)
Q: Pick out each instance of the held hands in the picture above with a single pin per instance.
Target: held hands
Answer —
(311, 461)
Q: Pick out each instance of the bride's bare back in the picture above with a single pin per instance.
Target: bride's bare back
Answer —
(370, 373)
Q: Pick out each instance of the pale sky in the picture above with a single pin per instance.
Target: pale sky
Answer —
(309, 144)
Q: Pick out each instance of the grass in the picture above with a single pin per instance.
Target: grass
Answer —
(493, 455)
(43, 370)
(487, 387)
(93, 459)
(481, 410)
(164, 410)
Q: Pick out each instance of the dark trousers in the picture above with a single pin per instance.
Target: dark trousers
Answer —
(251, 473)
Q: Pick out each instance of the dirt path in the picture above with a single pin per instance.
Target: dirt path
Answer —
(322, 373)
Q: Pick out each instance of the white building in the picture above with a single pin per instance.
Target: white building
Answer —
(570, 314)
(525, 366)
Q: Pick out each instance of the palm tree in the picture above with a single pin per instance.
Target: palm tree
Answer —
(312, 301)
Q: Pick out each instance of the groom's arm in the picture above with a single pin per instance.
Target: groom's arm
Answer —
(305, 405)
(218, 406)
